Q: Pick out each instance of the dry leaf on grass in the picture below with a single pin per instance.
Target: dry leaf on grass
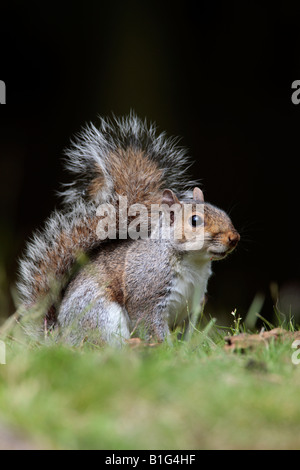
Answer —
(252, 341)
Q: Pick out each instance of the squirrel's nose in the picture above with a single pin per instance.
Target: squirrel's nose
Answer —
(233, 238)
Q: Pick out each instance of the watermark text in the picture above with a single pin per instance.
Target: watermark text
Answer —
(177, 222)
(296, 354)
(2, 352)
(2, 92)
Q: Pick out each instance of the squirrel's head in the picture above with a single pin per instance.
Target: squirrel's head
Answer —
(199, 226)
(221, 237)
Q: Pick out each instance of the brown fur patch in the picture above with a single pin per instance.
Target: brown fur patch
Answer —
(134, 175)
(61, 257)
(97, 184)
(110, 269)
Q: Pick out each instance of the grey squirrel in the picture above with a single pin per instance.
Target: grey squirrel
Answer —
(134, 285)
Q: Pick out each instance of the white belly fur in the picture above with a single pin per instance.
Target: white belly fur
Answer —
(192, 275)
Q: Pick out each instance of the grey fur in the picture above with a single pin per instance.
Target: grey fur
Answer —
(84, 311)
(94, 145)
(90, 149)
(46, 241)
(128, 286)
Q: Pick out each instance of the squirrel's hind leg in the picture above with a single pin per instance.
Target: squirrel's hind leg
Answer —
(88, 316)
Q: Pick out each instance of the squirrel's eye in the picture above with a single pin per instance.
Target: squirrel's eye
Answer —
(195, 220)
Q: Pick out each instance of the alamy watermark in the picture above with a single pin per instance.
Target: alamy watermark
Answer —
(296, 354)
(2, 352)
(2, 92)
(177, 222)
(296, 94)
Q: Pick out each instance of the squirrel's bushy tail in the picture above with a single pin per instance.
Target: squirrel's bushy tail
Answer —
(121, 157)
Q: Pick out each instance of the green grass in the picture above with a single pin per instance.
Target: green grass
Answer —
(178, 395)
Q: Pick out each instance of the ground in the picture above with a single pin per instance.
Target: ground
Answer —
(193, 394)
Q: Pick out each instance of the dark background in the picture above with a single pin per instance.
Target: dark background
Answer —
(217, 74)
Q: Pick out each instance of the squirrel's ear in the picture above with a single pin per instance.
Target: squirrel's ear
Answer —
(198, 195)
(169, 198)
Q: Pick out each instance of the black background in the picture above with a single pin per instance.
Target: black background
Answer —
(217, 74)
